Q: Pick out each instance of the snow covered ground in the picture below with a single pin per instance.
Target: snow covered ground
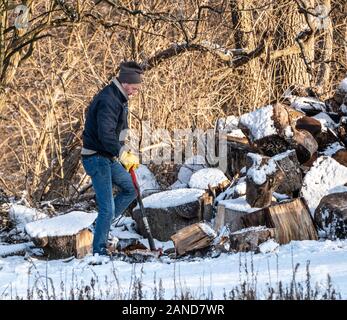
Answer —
(200, 276)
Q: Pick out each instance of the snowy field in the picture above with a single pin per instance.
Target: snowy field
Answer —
(200, 276)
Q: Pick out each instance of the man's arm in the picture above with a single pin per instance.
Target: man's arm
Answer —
(107, 120)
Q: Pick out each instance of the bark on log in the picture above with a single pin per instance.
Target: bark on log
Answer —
(292, 221)
(164, 222)
(193, 237)
(259, 193)
(331, 215)
(60, 247)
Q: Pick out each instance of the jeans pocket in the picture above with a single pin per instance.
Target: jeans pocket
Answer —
(90, 166)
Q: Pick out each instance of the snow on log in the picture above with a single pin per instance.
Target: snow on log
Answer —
(229, 213)
(234, 191)
(170, 211)
(263, 178)
(291, 220)
(321, 128)
(146, 180)
(193, 237)
(249, 239)
(20, 215)
(337, 152)
(63, 236)
(331, 215)
(212, 179)
(190, 166)
(325, 174)
(15, 249)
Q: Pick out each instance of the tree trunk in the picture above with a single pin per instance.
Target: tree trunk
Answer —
(291, 69)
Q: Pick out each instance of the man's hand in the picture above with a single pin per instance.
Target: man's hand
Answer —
(129, 160)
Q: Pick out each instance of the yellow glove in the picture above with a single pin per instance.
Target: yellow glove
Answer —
(129, 160)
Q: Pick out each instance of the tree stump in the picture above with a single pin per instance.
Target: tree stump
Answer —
(169, 211)
(63, 236)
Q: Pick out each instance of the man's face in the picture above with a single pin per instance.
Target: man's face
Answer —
(131, 89)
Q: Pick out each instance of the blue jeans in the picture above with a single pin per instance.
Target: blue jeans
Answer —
(104, 173)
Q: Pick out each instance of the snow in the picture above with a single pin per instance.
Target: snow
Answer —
(20, 215)
(201, 179)
(253, 229)
(228, 124)
(288, 132)
(259, 122)
(343, 109)
(301, 103)
(325, 121)
(343, 85)
(235, 191)
(10, 249)
(200, 276)
(208, 230)
(63, 225)
(178, 185)
(190, 166)
(332, 149)
(269, 246)
(237, 133)
(239, 204)
(259, 172)
(172, 198)
(146, 179)
(325, 174)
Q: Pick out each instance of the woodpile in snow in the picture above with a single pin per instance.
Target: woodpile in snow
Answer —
(288, 162)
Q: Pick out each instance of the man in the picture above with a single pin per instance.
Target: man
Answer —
(102, 157)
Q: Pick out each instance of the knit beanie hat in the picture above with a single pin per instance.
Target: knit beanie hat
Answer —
(130, 72)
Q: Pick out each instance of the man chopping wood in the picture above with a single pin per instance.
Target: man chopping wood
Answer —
(103, 156)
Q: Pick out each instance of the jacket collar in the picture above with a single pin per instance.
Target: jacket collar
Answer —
(116, 82)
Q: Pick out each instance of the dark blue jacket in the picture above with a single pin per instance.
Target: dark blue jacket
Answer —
(107, 116)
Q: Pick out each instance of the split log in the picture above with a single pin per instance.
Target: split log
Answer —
(314, 127)
(292, 221)
(169, 211)
(63, 236)
(193, 237)
(305, 145)
(230, 212)
(331, 215)
(263, 178)
(249, 239)
(289, 165)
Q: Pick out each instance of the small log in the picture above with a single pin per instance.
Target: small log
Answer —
(314, 127)
(249, 239)
(60, 247)
(292, 221)
(263, 178)
(290, 167)
(193, 237)
(230, 212)
(305, 145)
(331, 215)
